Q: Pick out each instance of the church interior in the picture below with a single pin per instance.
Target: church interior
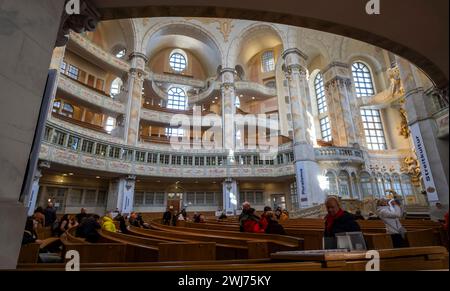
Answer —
(197, 142)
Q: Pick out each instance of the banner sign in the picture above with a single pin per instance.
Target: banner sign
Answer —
(424, 163)
(301, 182)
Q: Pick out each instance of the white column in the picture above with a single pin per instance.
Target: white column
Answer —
(306, 167)
(228, 109)
(230, 196)
(134, 98)
(432, 152)
(121, 194)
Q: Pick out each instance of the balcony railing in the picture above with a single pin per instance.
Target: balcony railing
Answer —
(337, 153)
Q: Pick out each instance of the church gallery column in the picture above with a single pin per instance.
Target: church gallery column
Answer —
(432, 152)
(306, 167)
(343, 110)
(228, 109)
(134, 99)
(121, 194)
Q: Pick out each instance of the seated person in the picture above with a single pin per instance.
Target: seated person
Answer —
(264, 221)
(273, 227)
(250, 222)
(141, 221)
(358, 215)
(29, 234)
(122, 223)
(338, 220)
(88, 228)
(108, 223)
(133, 220)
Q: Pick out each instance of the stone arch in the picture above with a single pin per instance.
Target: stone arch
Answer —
(206, 47)
(237, 44)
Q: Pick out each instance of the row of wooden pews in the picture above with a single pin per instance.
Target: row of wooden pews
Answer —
(409, 259)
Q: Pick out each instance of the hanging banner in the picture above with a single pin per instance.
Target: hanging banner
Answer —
(301, 182)
(425, 168)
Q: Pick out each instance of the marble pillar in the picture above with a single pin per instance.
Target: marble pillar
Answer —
(27, 38)
(230, 196)
(306, 167)
(121, 194)
(431, 151)
(136, 78)
(343, 110)
(228, 109)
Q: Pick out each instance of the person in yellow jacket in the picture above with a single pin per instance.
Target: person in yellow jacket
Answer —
(284, 216)
(108, 223)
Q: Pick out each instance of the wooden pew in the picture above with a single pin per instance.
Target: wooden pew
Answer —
(275, 242)
(29, 253)
(407, 259)
(226, 247)
(142, 249)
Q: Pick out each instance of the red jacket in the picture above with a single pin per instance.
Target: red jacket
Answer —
(263, 222)
(251, 225)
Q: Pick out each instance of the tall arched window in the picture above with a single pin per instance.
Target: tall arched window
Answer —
(397, 184)
(366, 186)
(363, 80)
(177, 99)
(407, 187)
(387, 183)
(110, 124)
(237, 102)
(320, 94)
(332, 186)
(116, 86)
(268, 61)
(178, 61)
(344, 184)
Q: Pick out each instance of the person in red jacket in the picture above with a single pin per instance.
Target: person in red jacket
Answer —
(251, 222)
(264, 221)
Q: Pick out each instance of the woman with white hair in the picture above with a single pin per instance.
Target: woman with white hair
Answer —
(390, 213)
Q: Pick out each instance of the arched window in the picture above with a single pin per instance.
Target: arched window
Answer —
(178, 61)
(380, 187)
(67, 110)
(387, 183)
(362, 79)
(116, 86)
(268, 61)
(325, 129)
(332, 186)
(373, 129)
(56, 106)
(397, 184)
(237, 102)
(344, 184)
(110, 124)
(177, 99)
(407, 187)
(366, 186)
(121, 53)
(320, 94)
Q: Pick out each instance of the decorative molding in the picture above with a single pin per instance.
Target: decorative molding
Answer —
(138, 55)
(294, 51)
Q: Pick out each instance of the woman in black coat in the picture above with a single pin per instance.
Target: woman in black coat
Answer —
(273, 227)
(338, 220)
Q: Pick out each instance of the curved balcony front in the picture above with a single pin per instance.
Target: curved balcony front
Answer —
(72, 149)
(95, 54)
(339, 154)
(255, 89)
(89, 95)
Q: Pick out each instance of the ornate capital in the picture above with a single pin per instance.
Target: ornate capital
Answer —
(295, 51)
(44, 165)
(138, 55)
(85, 21)
(338, 82)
